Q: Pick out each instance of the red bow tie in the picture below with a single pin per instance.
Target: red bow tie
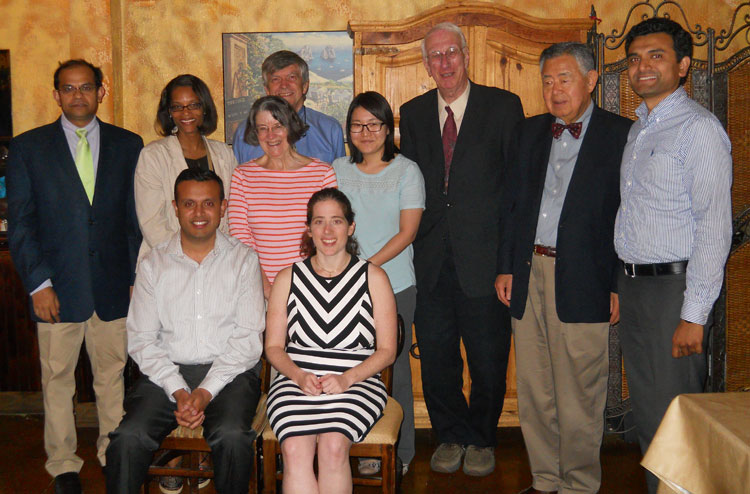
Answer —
(574, 128)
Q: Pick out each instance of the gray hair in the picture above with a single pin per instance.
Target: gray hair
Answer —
(582, 53)
(443, 26)
(281, 60)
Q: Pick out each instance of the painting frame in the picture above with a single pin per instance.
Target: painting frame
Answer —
(329, 55)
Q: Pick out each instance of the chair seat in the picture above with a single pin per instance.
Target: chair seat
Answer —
(385, 430)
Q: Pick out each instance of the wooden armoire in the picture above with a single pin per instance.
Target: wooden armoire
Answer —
(504, 48)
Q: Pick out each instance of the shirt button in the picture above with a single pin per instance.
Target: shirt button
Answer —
(199, 317)
(628, 182)
(565, 144)
(197, 292)
(544, 215)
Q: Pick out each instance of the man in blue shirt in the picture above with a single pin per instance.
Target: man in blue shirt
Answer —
(286, 74)
(673, 228)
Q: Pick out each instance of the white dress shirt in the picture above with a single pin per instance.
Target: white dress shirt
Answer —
(458, 107)
(183, 312)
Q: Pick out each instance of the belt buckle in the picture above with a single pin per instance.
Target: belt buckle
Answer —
(629, 269)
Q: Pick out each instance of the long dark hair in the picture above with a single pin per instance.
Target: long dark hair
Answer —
(307, 247)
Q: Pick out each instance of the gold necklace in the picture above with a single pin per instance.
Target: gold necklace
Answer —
(330, 274)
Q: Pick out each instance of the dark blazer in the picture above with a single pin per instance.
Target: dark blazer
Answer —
(88, 251)
(586, 263)
(466, 219)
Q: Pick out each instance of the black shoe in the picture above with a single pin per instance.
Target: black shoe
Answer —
(68, 483)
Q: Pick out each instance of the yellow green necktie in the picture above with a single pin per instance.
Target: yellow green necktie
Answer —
(85, 163)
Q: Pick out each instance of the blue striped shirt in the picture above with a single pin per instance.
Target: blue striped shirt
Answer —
(675, 205)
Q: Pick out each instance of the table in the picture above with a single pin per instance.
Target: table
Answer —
(703, 445)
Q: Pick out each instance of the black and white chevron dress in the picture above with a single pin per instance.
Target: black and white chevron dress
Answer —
(331, 329)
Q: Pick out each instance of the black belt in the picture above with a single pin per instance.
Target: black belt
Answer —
(659, 269)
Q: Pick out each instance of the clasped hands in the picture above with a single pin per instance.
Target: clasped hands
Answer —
(330, 384)
(191, 407)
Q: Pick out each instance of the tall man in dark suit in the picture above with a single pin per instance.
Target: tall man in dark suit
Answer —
(559, 264)
(74, 238)
(459, 134)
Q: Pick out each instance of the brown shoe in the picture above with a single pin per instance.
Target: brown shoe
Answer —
(531, 490)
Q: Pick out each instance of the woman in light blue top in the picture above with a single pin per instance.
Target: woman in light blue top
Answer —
(387, 194)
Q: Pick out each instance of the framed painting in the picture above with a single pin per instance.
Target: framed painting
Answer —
(328, 55)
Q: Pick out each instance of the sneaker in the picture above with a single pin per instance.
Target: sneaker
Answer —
(404, 469)
(170, 485)
(479, 462)
(369, 466)
(447, 457)
(204, 465)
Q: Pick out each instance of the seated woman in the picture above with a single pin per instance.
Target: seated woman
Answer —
(268, 196)
(185, 116)
(387, 194)
(330, 330)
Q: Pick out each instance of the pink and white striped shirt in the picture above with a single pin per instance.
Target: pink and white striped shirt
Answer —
(268, 208)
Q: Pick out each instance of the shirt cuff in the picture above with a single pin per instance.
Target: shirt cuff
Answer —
(172, 384)
(695, 312)
(212, 384)
(45, 284)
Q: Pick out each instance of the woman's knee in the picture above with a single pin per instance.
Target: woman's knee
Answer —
(298, 450)
(333, 448)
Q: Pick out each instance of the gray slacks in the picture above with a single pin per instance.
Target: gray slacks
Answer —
(649, 314)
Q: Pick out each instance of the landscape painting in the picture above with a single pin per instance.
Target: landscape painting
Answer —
(328, 55)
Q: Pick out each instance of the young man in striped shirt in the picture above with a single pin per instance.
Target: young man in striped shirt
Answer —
(673, 229)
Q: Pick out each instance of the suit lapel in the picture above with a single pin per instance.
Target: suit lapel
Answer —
(64, 158)
(434, 134)
(471, 124)
(540, 159)
(582, 173)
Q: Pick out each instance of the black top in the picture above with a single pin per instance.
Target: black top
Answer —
(201, 163)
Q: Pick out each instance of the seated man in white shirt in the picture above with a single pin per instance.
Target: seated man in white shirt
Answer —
(195, 328)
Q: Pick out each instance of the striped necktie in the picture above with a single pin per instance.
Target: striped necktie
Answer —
(85, 163)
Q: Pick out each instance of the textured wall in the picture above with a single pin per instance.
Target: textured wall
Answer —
(141, 44)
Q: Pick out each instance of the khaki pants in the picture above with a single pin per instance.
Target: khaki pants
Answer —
(59, 347)
(562, 389)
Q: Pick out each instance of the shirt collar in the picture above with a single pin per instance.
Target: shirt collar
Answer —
(584, 118)
(174, 247)
(664, 107)
(458, 107)
(70, 126)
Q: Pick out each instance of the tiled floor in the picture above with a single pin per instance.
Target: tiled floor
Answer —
(22, 464)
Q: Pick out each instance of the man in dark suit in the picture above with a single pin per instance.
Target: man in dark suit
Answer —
(74, 238)
(558, 262)
(459, 135)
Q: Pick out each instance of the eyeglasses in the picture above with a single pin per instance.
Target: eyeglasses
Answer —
(437, 56)
(276, 129)
(83, 89)
(373, 127)
(179, 108)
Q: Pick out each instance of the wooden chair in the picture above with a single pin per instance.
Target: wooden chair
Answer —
(379, 443)
(191, 445)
